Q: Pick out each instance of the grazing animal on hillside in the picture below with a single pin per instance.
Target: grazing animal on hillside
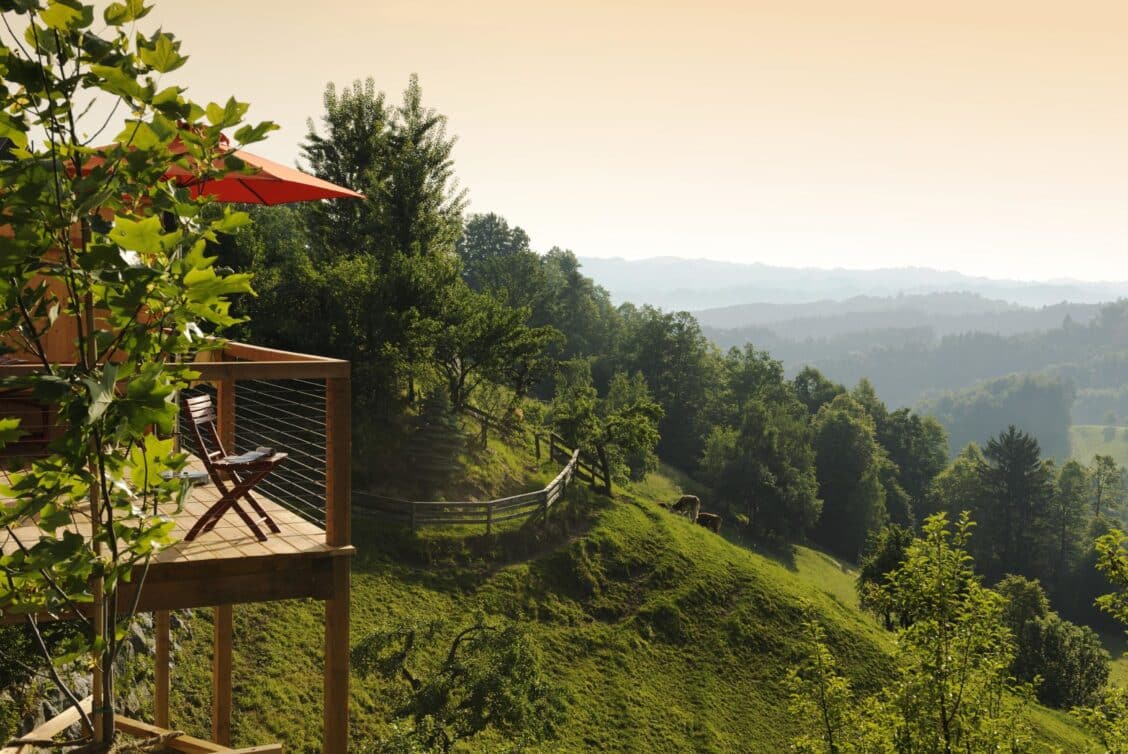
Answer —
(667, 506)
(710, 521)
(688, 506)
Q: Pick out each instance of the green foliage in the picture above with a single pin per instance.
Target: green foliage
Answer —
(884, 554)
(497, 258)
(489, 677)
(758, 458)
(1066, 521)
(481, 338)
(956, 655)
(392, 254)
(956, 488)
(1016, 491)
(822, 701)
(87, 248)
(815, 390)
(683, 373)
(1068, 659)
(849, 463)
(1108, 491)
(1065, 662)
(621, 428)
(950, 691)
(1108, 719)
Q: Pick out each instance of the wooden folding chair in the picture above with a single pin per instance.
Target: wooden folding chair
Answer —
(242, 471)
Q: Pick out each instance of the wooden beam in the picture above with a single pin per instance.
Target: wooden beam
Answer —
(265, 749)
(51, 728)
(338, 462)
(251, 352)
(336, 740)
(184, 744)
(221, 675)
(196, 584)
(214, 371)
(161, 671)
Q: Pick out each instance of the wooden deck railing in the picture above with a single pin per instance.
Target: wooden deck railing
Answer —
(321, 439)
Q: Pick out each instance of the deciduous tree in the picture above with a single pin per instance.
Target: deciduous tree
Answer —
(84, 244)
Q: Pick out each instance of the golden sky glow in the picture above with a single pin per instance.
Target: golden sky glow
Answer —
(989, 137)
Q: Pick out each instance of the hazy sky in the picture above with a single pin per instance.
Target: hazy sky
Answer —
(988, 136)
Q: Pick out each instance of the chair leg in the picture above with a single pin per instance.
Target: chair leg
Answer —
(203, 524)
(265, 516)
(250, 522)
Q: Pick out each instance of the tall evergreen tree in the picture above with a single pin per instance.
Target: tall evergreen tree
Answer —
(404, 233)
(1017, 488)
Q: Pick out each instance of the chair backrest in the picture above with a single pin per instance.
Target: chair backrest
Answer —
(199, 411)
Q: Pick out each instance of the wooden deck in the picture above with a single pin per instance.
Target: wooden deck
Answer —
(228, 565)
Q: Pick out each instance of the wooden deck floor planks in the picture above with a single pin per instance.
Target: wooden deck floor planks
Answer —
(228, 565)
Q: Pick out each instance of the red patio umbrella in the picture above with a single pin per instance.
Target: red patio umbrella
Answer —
(268, 182)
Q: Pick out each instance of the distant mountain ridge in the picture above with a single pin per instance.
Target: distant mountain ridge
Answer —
(674, 283)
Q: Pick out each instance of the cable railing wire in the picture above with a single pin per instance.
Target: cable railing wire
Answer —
(287, 416)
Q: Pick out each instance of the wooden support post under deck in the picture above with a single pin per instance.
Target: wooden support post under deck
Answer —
(337, 662)
(338, 533)
(221, 676)
(160, 703)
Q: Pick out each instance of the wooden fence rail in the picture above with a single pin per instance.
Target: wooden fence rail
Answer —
(556, 446)
(417, 513)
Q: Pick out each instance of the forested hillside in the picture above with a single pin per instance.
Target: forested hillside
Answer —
(861, 538)
(643, 633)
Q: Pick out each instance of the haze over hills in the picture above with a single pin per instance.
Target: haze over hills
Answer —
(674, 283)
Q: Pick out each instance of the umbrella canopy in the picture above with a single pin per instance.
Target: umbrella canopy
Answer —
(268, 182)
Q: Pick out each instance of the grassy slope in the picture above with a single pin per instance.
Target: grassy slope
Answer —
(666, 637)
(1087, 440)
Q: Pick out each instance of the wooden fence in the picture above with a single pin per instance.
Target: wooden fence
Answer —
(589, 472)
(417, 514)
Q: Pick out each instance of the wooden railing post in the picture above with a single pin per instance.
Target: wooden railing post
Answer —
(536, 443)
(489, 517)
(338, 460)
(552, 446)
(225, 414)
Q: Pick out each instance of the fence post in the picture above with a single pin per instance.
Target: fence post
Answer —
(489, 516)
(552, 446)
(536, 442)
